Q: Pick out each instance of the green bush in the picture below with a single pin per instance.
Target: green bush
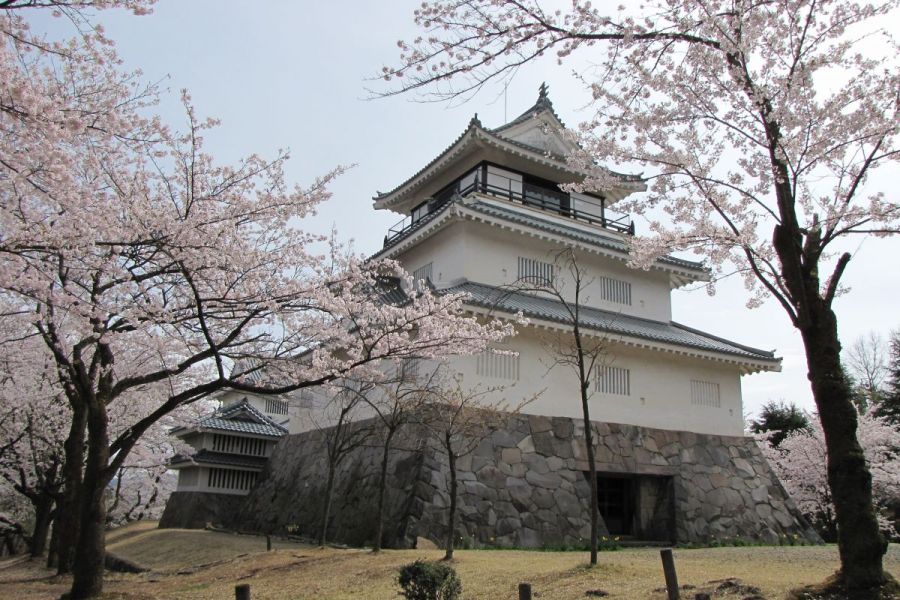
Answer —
(429, 581)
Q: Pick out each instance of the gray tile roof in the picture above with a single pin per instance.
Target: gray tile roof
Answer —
(240, 417)
(497, 136)
(530, 305)
(221, 458)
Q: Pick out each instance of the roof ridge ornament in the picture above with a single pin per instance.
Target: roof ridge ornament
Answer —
(475, 122)
(544, 96)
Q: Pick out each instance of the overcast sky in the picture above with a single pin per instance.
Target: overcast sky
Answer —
(292, 74)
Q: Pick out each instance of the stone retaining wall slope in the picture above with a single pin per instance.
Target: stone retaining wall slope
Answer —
(525, 486)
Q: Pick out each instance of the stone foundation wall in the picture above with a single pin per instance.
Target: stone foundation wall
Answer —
(525, 485)
(193, 510)
(289, 497)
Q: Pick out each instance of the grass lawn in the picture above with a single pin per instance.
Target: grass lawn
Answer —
(193, 564)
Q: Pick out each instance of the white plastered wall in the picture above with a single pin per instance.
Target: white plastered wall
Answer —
(485, 254)
(660, 394)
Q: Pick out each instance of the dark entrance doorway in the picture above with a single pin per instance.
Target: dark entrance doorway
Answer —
(615, 498)
(641, 507)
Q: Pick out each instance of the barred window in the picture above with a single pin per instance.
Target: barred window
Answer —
(423, 273)
(613, 380)
(276, 407)
(231, 479)
(705, 393)
(498, 364)
(535, 272)
(233, 444)
(410, 369)
(615, 290)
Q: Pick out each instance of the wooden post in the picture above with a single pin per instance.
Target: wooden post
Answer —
(668, 562)
(242, 592)
(268, 543)
(524, 591)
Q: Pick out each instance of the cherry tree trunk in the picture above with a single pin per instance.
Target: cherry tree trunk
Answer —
(326, 509)
(382, 485)
(43, 516)
(67, 523)
(860, 544)
(451, 517)
(90, 551)
(592, 472)
(53, 549)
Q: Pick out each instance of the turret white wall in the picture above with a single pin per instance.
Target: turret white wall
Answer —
(660, 387)
(485, 254)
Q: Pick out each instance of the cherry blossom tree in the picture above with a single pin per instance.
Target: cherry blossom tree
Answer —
(146, 268)
(758, 125)
(32, 430)
(799, 461)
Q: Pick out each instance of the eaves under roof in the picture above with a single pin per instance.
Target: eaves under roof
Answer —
(207, 457)
(240, 417)
(511, 301)
(684, 271)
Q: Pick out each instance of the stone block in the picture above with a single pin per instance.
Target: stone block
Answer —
(555, 463)
(544, 480)
(539, 424)
(464, 463)
(659, 461)
(491, 476)
(505, 509)
(526, 444)
(535, 462)
(603, 454)
(511, 455)
(543, 443)
(543, 498)
(670, 450)
(508, 525)
(475, 488)
(521, 497)
(784, 519)
(563, 428)
(744, 467)
(702, 482)
(720, 456)
(562, 448)
(503, 439)
(569, 505)
(529, 538)
(718, 480)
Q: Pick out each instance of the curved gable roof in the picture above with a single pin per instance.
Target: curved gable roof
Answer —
(540, 122)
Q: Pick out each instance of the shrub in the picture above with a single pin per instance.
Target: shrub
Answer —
(429, 581)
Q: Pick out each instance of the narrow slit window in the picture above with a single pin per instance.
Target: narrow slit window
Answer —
(705, 393)
(535, 272)
(498, 364)
(615, 290)
(423, 273)
(615, 381)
